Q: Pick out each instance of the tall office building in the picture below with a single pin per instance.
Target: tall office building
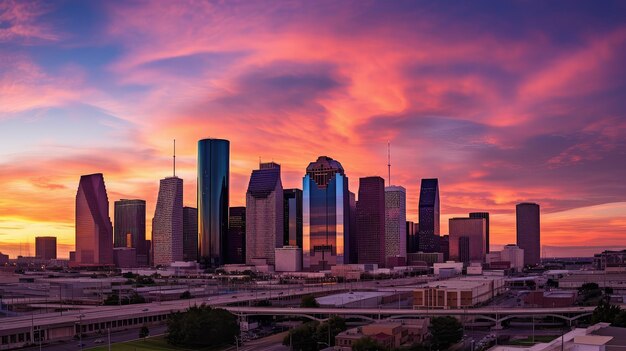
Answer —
(46, 247)
(528, 232)
(236, 241)
(444, 247)
(467, 239)
(325, 215)
(412, 243)
(395, 226)
(264, 213)
(484, 215)
(213, 186)
(130, 223)
(94, 232)
(370, 220)
(167, 224)
(292, 217)
(190, 233)
(429, 216)
(354, 250)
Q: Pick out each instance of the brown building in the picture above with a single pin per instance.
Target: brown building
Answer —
(389, 334)
(458, 293)
(46, 247)
(467, 239)
(550, 299)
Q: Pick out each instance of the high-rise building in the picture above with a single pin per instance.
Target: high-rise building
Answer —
(467, 239)
(94, 231)
(167, 224)
(292, 217)
(412, 242)
(370, 221)
(444, 247)
(354, 250)
(429, 216)
(130, 223)
(46, 247)
(484, 215)
(236, 241)
(190, 233)
(213, 186)
(528, 232)
(395, 226)
(325, 215)
(264, 214)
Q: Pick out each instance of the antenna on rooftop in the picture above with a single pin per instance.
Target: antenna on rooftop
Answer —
(174, 157)
(389, 162)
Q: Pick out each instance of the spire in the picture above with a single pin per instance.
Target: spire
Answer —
(174, 157)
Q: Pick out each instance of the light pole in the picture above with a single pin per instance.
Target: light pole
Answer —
(80, 330)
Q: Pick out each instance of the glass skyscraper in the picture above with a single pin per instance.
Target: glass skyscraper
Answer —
(190, 234)
(326, 215)
(292, 217)
(429, 216)
(94, 232)
(130, 223)
(236, 242)
(213, 186)
(484, 215)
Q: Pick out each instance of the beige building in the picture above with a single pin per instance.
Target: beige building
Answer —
(458, 293)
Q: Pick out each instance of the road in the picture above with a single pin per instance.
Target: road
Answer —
(270, 343)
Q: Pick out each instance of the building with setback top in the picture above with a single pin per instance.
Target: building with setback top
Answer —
(167, 223)
(429, 216)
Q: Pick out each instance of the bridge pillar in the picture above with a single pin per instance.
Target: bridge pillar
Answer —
(497, 326)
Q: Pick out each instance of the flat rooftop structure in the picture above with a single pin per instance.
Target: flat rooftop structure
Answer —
(462, 283)
(351, 297)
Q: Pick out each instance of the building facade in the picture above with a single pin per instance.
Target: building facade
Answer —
(292, 217)
(130, 223)
(412, 241)
(325, 215)
(395, 226)
(429, 216)
(213, 192)
(467, 239)
(370, 221)
(236, 241)
(190, 234)
(167, 224)
(484, 215)
(528, 232)
(264, 214)
(46, 247)
(94, 231)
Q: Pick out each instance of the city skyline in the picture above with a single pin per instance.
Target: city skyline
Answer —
(538, 120)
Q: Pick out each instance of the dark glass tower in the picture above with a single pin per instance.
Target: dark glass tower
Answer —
(326, 215)
(190, 233)
(484, 215)
(213, 186)
(429, 216)
(370, 220)
(236, 242)
(528, 232)
(130, 223)
(94, 232)
(292, 217)
(412, 230)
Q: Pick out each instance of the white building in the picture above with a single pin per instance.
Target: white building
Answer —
(395, 226)
(510, 253)
(456, 266)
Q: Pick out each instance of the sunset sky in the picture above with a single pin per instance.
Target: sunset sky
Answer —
(502, 101)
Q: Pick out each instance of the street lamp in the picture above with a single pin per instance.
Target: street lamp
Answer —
(80, 330)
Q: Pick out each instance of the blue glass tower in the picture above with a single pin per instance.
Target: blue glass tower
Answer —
(213, 186)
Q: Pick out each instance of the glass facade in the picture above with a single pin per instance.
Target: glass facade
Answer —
(94, 232)
(213, 186)
(326, 213)
(429, 216)
(292, 217)
(130, 223)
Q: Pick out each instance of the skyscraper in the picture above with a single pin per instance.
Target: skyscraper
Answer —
(264, 213)
(94, 232)
(354, 250)
(484, 215)
(325, 215)
(467, 239)
(370, 220)
(213, 186)
(190, 233)
(429, 215)
(167, 224)
(412, 243)
(130, 222)
(528, 232)
(395, 226)
(292, 217)
(236, 241)
(46, 247)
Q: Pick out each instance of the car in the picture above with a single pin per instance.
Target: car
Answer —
(98, 341)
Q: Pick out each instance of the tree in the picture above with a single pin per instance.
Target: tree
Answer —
(144, 332)
(620, 320)
(336, 325)
(605, 312)
(308, 301)
(445, 331)
(185, 295)
(552, 283)
(367, 344)
(589, 291)
(302, 338)
(202, 326)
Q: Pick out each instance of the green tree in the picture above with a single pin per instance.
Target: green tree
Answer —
(302, 338)
(445, 331)
(367, 344)
(336, 325)
(202, 326)
(605, 312)
(308, 301)
(144, 332)
(112, 300)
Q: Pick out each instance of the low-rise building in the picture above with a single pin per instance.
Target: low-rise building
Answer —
(509, 253)
(389, 334)
(430, 258)
(547, 299)
(288, 259)
(457, 267)
(458, 293)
